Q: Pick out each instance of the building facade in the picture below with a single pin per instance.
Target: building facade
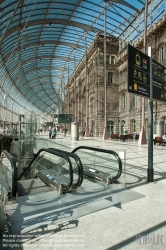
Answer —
(85, 89)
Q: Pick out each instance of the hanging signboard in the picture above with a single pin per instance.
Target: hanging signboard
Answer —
(159, 81)
(138, 72)
(65, 118)
(139, 75)
(49, 124)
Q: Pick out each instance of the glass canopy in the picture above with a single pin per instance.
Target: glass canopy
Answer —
(42, 41)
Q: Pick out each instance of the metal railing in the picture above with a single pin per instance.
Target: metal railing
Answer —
(100, 175)
(78, 163)
(9, 173)
(50, 179)
(1, 198)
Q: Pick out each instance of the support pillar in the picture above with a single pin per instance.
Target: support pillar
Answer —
(87, 90)
(142, 136)
(105, 133)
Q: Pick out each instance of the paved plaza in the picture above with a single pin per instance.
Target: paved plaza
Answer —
(135, 215)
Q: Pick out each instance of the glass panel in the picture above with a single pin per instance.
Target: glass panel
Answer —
(2, 95)
(104, 164)
(1, 198)
(51, 166)
(119, 17)
(9, 174)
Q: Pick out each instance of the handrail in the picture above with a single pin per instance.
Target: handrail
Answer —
(105, 151)
(28, 169)
(79, 165)
(14, 172)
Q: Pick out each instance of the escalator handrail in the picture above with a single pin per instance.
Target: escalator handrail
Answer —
(14, 172)
(114, 178)
(79, 166)
(28, 169)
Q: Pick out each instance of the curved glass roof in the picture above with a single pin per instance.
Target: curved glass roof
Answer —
(43, 40)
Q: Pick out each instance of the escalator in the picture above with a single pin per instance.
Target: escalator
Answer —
(49, 170)
(63, 171)
(53, 168)
(100, 164)
(90, 169)
(77, 167)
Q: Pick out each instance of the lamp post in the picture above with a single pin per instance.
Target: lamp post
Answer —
(68, 78)
(75, 102)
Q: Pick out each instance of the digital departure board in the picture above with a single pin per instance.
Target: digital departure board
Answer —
(47, 124)
(65, 118)
(138, 72)
(159, 81)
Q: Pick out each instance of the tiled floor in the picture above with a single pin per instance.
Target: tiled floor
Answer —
(138, 223)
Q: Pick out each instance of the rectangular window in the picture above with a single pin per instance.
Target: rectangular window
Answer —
(112, 59)
(134, 126)
(124, 102)
(162, 53)
(110, 77)
(108, 59)
(133, 101)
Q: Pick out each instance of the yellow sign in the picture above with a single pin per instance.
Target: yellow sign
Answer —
(137, 59)
(144, 78)
(135, 87)
(138, 74)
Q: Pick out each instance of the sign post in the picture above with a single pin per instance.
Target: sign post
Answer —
(147, 78)
(150, 172)
(65, 118)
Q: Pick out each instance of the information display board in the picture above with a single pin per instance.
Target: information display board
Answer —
(159, 81)
(138, 72)
(49, 124)
(65, 118)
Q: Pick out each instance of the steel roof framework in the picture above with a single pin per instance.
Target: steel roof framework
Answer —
(41, 38)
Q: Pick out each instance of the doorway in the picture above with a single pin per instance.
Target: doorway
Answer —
(110, 128)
